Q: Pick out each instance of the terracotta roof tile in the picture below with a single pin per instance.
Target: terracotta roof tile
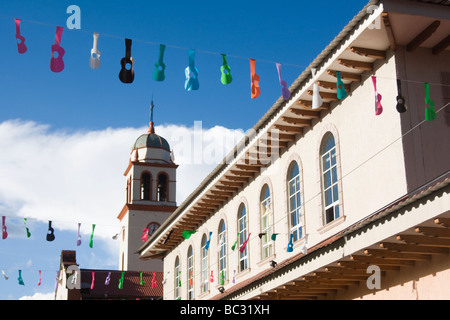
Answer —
(132, 289)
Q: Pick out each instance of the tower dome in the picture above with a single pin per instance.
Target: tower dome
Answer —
(151, 147)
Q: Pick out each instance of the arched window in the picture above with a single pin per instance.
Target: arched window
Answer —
(205, 265)
(330, 190)
(222, 247)
(177, 279)
(243, 232)
(190, 273)
(266, 222)
(295, 221)
(145, 186)
(162, 187)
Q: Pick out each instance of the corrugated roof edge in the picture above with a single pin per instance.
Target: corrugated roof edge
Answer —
(294, 88)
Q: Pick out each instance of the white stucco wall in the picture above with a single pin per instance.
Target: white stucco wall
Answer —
(371, 156)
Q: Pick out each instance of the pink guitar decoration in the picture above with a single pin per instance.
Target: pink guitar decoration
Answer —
(144, 235)
(39, 283)
(4, 233)
(93, 280)
(57, 63)
(211, 278)
(21, 47)
(242, 248)
(378, 107)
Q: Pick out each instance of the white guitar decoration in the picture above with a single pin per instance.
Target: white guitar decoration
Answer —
(94, 61)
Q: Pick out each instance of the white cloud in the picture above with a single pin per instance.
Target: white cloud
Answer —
(73, 177)
(39, 296)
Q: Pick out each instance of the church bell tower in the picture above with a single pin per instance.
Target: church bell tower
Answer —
(150, 197)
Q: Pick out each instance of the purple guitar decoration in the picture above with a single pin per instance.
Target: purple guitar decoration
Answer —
(284, 91)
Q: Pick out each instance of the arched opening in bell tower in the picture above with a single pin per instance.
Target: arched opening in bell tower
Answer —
(162, 187)
(145, 186)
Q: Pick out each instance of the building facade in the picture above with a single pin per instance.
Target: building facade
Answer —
(347, 198)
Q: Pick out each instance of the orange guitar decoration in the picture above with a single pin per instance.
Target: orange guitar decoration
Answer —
(256, 91)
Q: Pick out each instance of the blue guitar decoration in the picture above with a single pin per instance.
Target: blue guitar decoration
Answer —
(191, 73)
(158, 73)
(341, 93)
(226, 77)
(208, 242)
(290, 246)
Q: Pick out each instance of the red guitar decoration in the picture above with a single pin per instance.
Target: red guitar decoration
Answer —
(21, 47)
(256, 91)
(154, 283)
(57, 63)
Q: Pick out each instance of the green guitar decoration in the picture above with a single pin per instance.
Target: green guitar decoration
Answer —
(225, 69)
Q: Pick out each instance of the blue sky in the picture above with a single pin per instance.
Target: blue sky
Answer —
(80, 123)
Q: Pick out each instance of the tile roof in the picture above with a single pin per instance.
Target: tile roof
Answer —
(132, 289)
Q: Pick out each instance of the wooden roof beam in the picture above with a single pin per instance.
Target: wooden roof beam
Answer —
(441, 46)
(423, 36)
(297, 121)
(281, 137)
(360, 265)
(326, 95)
(413, 248)
(307, 104)
(242, 173)
(431, 241)
(389, 31)
(332, 85)
(358, 65)
(387, 254)
(306, 113)
(445, 222)
(381, 261)
(251, 168)
(369, 53)
(433, 232)
(291, 129)
(233, 178)
(346, 76)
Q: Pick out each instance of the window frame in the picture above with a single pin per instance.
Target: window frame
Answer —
(330, 181)
(266, 219)
(242, 225)
(190, 273)
(205, 265)
(222, 251)
(177, 279)
(295, 228)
